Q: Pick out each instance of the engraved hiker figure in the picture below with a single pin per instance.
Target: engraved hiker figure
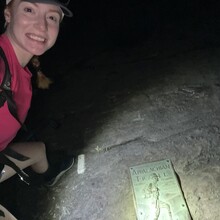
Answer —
(158, 209)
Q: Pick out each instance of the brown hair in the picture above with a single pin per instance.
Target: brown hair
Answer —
(9, 6)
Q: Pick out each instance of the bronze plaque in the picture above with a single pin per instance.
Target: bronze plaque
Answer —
(157, 193)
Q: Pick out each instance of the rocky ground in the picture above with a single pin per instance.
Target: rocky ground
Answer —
(122, 107)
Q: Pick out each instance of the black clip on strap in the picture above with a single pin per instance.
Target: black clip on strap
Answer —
(23, 176)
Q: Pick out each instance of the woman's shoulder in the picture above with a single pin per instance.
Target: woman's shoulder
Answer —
(4, 41)
(7, 47)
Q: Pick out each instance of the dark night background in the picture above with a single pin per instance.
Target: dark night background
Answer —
(108, 24)
(103, 25)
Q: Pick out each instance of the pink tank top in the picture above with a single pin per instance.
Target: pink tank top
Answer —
(22, 93)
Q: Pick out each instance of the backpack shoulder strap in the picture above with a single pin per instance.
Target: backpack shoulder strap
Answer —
(6, 82)
(6, 93)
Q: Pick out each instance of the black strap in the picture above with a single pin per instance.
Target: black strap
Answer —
(11, 153)
(6, 83)
(6, 93)
(4, 160)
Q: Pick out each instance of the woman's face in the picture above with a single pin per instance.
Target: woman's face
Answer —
(32, 27)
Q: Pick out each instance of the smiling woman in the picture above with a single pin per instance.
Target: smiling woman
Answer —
(31, 28)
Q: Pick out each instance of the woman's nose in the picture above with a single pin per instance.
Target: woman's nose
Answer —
(41, 23)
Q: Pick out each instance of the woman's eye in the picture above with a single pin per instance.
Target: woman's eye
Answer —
(28, 10)
(54, 18)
